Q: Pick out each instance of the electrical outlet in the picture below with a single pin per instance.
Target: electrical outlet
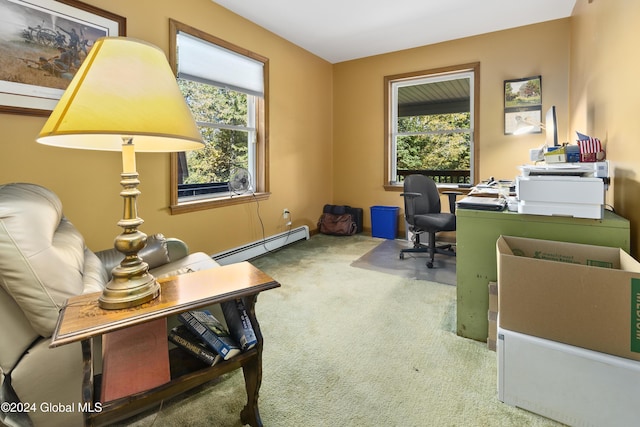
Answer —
(286, 215)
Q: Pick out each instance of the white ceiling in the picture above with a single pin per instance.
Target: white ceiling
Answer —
(341, 30)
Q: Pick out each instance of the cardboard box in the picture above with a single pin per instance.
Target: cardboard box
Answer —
(573, 153)
(582, 295)
(493, 296)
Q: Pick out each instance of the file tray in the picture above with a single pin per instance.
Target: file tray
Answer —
(482, 203)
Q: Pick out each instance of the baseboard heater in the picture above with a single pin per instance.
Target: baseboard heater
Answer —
(262, 246)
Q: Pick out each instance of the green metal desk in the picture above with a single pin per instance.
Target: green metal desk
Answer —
(476, 236)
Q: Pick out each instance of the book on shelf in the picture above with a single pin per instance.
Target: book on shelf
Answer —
(134, 359)
(211, 331)
(239, 323)
(188, 341)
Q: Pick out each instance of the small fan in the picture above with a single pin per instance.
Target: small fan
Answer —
(240, 181)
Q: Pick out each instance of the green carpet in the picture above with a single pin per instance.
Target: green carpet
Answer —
(346, 346)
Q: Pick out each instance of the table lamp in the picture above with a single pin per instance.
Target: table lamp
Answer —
(124, 98)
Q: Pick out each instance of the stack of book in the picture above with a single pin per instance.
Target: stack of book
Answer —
(202, 335)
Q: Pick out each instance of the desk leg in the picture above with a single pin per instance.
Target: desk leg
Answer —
(252, 371)
(87, 377)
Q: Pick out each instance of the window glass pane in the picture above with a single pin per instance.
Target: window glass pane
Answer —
(439, 152)
(222, 115)
(225, 150)
(436, 152)
(434, 123)
(214, 104)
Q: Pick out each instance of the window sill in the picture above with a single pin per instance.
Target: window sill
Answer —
(200, 205)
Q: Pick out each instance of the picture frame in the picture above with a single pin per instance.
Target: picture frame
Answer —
(42, 44)
(523, 104)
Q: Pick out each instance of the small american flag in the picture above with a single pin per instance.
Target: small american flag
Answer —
(589, 148)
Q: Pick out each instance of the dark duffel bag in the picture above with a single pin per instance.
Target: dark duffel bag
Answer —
(337, 225)
(356, 213)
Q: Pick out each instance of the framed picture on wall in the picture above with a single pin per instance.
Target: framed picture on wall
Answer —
(42, 44)
(523, 105)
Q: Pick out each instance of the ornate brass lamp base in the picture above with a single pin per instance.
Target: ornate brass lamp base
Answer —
(131, 282)
(127, 293)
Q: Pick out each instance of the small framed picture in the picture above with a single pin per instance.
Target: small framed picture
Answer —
(523, 105)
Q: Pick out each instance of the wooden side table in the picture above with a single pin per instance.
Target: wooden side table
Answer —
(82, 319)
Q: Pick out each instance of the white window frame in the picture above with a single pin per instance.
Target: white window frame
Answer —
(249, 64)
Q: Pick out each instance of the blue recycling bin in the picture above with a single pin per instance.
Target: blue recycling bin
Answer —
(384, 221)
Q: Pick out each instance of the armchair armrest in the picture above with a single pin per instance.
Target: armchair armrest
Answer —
(158, 251)
(176, 248)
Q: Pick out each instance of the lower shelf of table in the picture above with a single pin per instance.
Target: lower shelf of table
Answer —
(187, 372)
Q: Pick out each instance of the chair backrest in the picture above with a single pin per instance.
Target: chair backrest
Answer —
(43, 258)
(428, 202)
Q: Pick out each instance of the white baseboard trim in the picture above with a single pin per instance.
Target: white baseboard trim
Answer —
(260, 247)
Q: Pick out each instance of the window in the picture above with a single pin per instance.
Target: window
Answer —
(225, 88)
(431, 126)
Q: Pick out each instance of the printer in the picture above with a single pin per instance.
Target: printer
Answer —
(563, 189)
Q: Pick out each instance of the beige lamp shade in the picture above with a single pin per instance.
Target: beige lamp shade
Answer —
(124, 89)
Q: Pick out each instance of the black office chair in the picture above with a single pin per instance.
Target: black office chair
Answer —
(422, 212)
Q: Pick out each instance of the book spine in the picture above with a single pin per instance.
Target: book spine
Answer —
(193, 348)
(239, 323)
(207, 335)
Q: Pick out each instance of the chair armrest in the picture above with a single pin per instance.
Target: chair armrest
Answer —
(155, 253)
(110, 258)
(410, 208)
(452, 199)
(176, 248)
(411, 195)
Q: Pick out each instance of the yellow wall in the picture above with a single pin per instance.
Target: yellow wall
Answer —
(604, 94)
(358, 103)
(300, 143)
(326, 122)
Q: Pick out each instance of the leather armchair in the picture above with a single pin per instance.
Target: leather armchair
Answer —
(44, 261)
